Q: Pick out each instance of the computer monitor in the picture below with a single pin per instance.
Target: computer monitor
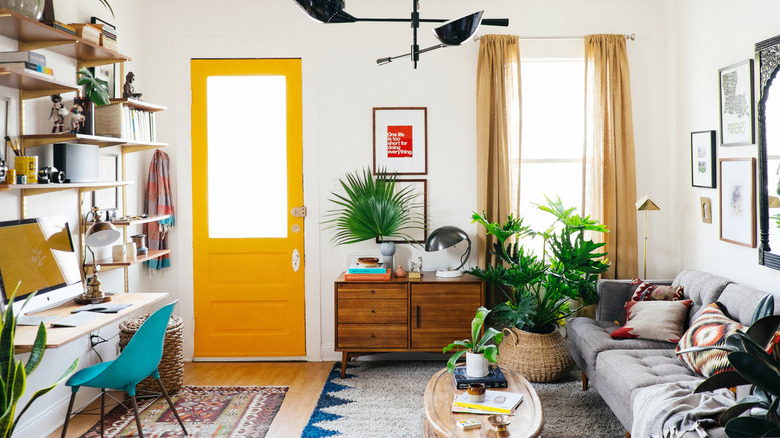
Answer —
(38, 255)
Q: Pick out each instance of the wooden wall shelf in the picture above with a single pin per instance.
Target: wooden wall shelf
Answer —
(28, 141)
(153, 254)
(32, 85)
(37, 189)
(30, 33)
(129, 223)
(138, 105)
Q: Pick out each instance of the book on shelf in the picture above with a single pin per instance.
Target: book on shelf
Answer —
(496, 402)
(31, 57)
(27, 67)
(359, 269)
(368, 277)
(65, 27)
(121, 121)
(87, 32)
(108, 43)
(494, 379)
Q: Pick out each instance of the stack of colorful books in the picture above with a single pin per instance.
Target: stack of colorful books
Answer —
(496, 402)
(367, 272)
(107, 33)
(25, 61)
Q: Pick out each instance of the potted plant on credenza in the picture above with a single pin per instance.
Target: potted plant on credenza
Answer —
(540, 291)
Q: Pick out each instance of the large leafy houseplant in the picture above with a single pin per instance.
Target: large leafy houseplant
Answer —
(538, 290)
(757, 415)
(13, 373)
(477, 344)
(95, 89)
(372, 207)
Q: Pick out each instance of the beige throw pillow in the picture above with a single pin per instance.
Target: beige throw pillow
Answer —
(654, 320)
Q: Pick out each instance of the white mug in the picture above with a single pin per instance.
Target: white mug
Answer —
(130, 250)
(118, 253)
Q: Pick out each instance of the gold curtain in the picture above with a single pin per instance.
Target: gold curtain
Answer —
(610, 176)
(498, 125)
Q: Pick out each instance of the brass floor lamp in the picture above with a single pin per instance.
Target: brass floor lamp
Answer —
(645, 204)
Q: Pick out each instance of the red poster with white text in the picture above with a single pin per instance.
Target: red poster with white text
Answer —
(399, 141)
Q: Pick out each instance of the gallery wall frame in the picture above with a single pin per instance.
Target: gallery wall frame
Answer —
(108, 170)
(737, 103)
(401, 140)
(419, 209)
(738, 201)
(703, 172)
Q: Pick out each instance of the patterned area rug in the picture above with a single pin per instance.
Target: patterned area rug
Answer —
(207, 411)
(385, 400)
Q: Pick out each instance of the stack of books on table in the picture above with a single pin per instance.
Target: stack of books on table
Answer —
(25, 61)
(494, 379)
(362, 272)
(496, 402)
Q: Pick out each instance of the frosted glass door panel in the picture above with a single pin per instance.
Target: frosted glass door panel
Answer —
(247, 156)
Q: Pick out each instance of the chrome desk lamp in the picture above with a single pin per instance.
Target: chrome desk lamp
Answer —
(445, 237)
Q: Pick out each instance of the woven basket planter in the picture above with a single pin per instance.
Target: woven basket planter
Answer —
(537, 357)
(171, 366)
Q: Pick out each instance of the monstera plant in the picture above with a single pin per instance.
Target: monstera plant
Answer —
(757, 415)
(13, 373)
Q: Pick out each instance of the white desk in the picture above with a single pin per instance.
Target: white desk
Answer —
(59, 336)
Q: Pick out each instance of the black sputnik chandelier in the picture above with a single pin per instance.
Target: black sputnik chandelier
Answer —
(450, 33)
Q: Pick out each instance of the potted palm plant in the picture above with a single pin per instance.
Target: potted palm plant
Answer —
(478, 352)
(373, 208)
(95, 92)
(539, 290)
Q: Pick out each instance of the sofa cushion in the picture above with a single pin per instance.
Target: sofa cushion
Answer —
(701, 287)
(645, 291)
(622, 373)
(740, 302)
(588, 338)
(654, 320)
(710, 328)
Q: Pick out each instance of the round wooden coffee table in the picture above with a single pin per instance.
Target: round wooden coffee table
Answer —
(440, 420)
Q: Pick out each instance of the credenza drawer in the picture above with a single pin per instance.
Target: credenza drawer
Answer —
(378, 291)
(367, 311)
(361, 336)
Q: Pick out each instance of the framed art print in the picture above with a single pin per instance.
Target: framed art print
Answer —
(418, 210)
(738, 201)
(400, 140)
(703, 159)
(736, 104)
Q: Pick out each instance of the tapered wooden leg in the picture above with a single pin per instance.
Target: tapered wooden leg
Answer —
(344, 360)
(584, 382)
(628, 435)
(67, 417)
(102, 409)
(170, 403)
(137, 418)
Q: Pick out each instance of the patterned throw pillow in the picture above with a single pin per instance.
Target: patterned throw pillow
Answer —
(654, 320)
(712, 327)
(644, 291)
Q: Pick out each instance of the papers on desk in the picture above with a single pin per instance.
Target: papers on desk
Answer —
(101, 308)
(33, 320)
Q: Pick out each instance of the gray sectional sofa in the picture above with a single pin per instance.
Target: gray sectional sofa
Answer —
(618, 368)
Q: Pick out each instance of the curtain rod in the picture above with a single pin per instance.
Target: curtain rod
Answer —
(631, 37)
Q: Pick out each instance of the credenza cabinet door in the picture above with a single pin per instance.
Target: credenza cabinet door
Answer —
(442, 313)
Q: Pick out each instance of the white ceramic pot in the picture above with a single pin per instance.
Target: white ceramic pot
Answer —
(476, 365)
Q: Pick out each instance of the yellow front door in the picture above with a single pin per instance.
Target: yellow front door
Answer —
(246, 182)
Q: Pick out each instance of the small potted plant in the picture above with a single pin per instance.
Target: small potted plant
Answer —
(478, 352)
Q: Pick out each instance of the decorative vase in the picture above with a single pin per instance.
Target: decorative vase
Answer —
(539, 357)
(476, 365)
(387, 249)
(28, 8)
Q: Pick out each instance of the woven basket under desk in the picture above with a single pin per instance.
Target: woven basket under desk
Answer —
(171, 366)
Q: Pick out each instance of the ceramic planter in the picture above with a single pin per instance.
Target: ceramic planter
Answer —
(476, 364)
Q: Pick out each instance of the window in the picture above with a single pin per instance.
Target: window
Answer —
(553, 129)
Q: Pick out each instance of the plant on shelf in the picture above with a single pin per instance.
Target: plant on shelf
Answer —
(478, 351)
(13, 374)
(539, 291)
(96, 90)
(747, 354)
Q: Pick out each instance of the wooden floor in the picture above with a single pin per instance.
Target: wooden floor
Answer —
(305, 380)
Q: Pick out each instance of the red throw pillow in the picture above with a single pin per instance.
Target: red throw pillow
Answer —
(644, 291)
(654, 320)
(711, 328)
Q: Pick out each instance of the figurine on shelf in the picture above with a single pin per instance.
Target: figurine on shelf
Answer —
(129, 91)
(57, 113)
(399, 272)
(76, 118)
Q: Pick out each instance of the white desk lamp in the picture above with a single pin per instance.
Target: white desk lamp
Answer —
(445, 237)
(100, 234)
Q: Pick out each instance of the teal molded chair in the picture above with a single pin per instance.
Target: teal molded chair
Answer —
(137, 361)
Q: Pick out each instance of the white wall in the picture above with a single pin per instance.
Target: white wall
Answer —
(711, 35)
(341, 85)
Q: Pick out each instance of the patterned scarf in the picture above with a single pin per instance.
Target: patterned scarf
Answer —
(159, 200)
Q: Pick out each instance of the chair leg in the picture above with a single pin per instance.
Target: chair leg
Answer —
(67, 417)
(102, 409)
(170, 403)
(584, 382)
(137, 418)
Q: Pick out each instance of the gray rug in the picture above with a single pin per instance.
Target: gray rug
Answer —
(385, 399)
